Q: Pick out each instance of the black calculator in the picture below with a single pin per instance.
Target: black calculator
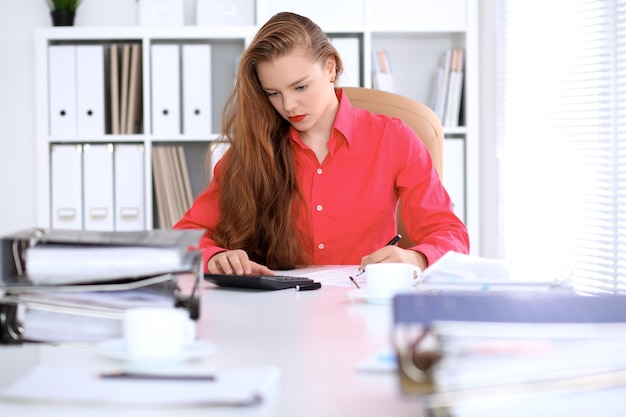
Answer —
(263, 282)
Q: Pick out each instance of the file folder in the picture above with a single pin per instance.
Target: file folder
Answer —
(98, 186)
(196, 82)
(66, 165)
(124, 87)
(114, 89)
(62, 89)
(165, 68)
(129, 187)
(133, 120)
(90, 89)
(350, 51)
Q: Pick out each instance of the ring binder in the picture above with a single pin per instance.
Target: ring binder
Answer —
(87, 297)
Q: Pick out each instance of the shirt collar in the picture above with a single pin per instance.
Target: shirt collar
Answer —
(344, 120)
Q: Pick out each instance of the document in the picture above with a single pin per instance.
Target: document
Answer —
(232, 387)
(457, 271)
(332, 275)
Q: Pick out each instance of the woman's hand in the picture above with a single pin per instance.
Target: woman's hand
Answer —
(236, 262)
(395, 254)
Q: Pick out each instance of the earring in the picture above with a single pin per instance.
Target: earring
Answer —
(332, 80)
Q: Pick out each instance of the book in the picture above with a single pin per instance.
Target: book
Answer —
(381, 71)
(455, 89)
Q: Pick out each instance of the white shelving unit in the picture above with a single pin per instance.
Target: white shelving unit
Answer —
(413, 32)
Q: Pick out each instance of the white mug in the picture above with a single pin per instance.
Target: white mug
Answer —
(153, 332)
(387, 279)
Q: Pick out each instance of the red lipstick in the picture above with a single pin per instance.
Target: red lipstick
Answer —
(297, 118)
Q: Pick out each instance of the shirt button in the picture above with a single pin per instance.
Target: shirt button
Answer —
(319, 170)
(319, 207)
(320, 246)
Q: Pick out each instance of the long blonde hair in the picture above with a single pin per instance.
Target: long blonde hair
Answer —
(259, 195)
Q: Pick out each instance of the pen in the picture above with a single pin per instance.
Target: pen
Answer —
(169, 377)
(354, 281)
(308, 287)
(393, 241)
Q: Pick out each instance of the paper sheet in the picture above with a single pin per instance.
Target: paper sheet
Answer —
(331, 275)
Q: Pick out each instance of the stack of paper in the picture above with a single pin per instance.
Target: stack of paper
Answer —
(456, 271)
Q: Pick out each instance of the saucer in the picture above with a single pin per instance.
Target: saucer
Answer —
(363, 295)
(117, 349)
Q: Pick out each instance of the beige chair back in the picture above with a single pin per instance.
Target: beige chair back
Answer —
(416, 115)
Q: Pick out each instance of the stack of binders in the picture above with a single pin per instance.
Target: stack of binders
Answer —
(67, 285)
(510, 353)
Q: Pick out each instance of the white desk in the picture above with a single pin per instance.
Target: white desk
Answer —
(316, 338)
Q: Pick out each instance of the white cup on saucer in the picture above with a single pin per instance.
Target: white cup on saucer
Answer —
(387, 279)
(153, 333)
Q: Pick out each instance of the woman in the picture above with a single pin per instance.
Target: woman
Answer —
(308, 179)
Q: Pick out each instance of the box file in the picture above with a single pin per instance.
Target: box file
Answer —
(66, 186)
(62, 89)
(90, 89)
(196, 80)
(129, 175)
(165, 68)
(98, 186)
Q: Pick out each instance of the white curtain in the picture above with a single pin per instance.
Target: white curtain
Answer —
(561, 123)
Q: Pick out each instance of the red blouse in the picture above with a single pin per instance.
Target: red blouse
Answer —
(351, 196)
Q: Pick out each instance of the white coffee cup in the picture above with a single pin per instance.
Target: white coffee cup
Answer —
(387, 279)
(153, 332)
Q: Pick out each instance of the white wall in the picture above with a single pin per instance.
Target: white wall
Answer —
(17, 103)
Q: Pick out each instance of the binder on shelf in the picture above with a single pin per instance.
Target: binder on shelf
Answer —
(124, 87)
(455, 89)
(94, 275)
(443, 80)
(196, 80)
(129, 187)
(134, 106)
(172, 186)
(98, 186)
(381, 71)
(62, 89)
(114, 89)
(90, 89)
(165, 66)
(66, 186)
(350, 51)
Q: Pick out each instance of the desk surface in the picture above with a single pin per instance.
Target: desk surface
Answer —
(316, 338)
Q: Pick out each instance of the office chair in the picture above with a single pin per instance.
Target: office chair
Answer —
(416, 115)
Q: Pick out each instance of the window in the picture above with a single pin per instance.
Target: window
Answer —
(561, 126)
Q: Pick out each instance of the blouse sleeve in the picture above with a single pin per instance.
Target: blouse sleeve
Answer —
(205, 214)
(426, 206)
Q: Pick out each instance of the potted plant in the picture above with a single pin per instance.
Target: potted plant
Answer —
(63, 11)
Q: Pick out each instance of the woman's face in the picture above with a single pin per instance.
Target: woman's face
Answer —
(298, 87)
